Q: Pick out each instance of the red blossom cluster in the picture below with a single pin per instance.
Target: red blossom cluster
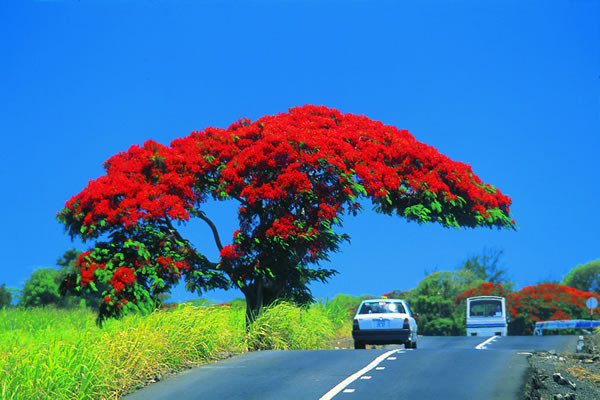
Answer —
(311, 151)
(167, 263)
(122, 277)
(484, 289)
(549, 301)
(86, 266)
(229, 252)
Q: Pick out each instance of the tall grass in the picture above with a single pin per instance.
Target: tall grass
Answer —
(287, 327)
(50, 353)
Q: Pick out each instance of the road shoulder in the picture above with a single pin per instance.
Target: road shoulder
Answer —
(565, 376)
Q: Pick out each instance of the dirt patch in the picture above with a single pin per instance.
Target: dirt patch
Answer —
(341, 343)
(344, 343)
(565, 376)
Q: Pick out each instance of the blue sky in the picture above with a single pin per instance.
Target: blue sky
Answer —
(510, 87)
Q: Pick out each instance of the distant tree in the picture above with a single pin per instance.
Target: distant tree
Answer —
(433, 301)
(44, 285)
(548, 280)
(294, 176)
(437, 316)
(5, 296)
(41, 288)
(69, 259)
(446, 284)
(584, 277)
(346, 304)
(436, 297)
(484, 267)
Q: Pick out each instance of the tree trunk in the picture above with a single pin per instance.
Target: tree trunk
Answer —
(254, 294)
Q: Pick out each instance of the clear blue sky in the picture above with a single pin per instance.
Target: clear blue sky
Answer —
(510, 87)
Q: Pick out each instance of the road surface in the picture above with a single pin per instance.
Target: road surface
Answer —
(446, 368)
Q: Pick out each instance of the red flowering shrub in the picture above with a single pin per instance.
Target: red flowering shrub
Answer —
(547, 302)
(484, 289)
(294, 175)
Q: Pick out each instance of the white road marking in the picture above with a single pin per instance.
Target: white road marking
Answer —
(391, 358)
(343, 384)
(379, 368)
(481, 346)
(525, 352)
(348, 390)
(365, 377)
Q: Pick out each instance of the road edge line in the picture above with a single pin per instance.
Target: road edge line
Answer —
(343, 384)
(481, 345)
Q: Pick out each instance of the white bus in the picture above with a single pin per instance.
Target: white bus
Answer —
(486, 316)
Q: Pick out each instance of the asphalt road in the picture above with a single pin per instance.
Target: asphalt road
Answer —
(446, 368)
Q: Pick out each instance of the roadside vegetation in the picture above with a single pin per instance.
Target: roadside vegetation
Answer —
(52, 353)
(439, 298)
(52, 347)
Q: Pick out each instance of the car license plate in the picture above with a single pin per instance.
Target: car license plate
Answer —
(382, 323)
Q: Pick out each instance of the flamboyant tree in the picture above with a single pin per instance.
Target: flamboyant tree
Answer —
(294, 175)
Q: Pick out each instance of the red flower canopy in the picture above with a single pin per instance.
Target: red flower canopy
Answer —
(293, 174)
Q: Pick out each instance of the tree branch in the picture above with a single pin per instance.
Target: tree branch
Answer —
(181, 239)
(202, 216)
(242, 202)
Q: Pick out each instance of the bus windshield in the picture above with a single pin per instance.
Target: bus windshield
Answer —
(486, 308)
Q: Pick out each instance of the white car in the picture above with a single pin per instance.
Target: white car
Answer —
(384, 321)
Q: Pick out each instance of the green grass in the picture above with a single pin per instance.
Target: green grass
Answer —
(57, 354)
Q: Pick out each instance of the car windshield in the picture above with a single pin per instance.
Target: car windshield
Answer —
(382, 307)
(486, 308)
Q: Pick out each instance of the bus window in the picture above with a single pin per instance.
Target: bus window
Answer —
(486, 308)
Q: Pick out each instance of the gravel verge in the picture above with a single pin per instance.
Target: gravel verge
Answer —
(565, 376)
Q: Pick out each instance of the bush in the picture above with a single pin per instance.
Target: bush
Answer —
(5, 297)
(440, 327)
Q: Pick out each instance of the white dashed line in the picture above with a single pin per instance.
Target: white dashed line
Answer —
(365, 377)
(348, 390)
(391, 358)
(343, 384)
(481, 346)
(379, 368)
